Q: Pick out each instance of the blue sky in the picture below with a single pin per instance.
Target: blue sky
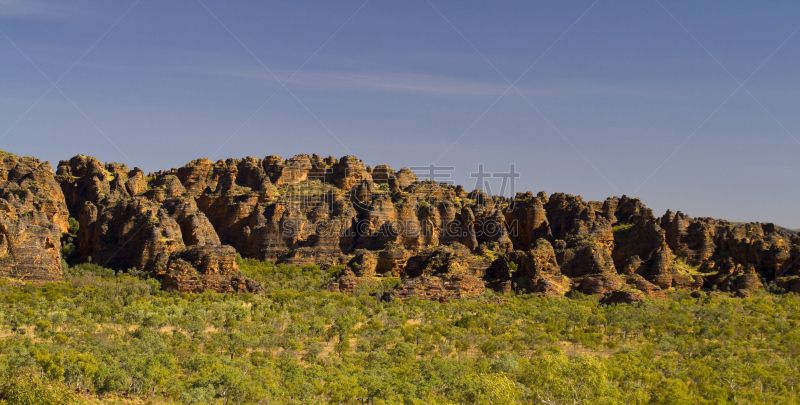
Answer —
(691, 106)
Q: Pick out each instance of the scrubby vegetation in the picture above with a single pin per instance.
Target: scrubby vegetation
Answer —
(680, 265)
(621, 231)
(286, 277)
(110, 337)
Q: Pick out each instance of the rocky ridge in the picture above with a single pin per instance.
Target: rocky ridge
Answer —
(186, 226)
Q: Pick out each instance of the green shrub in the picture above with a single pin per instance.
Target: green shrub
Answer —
(25, 388)
(682, 266)
(336, 271)
(90, 269)
(621, 231)
(74, 226)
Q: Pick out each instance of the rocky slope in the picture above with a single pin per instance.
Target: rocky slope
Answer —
(186, 225)
(32, 217)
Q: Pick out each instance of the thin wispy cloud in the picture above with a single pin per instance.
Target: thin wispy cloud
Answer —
(35, 9)
(392, 82)
(428, 84)
(75, 13)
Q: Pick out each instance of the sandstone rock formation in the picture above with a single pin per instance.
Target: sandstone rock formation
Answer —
(186, 226)
(32, 217)
(623, 297)
(443, 289)
(129, 220)
(540, 269)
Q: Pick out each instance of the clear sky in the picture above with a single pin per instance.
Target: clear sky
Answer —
(691, 106)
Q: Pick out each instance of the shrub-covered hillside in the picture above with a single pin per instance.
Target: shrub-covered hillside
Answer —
(102, 337)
